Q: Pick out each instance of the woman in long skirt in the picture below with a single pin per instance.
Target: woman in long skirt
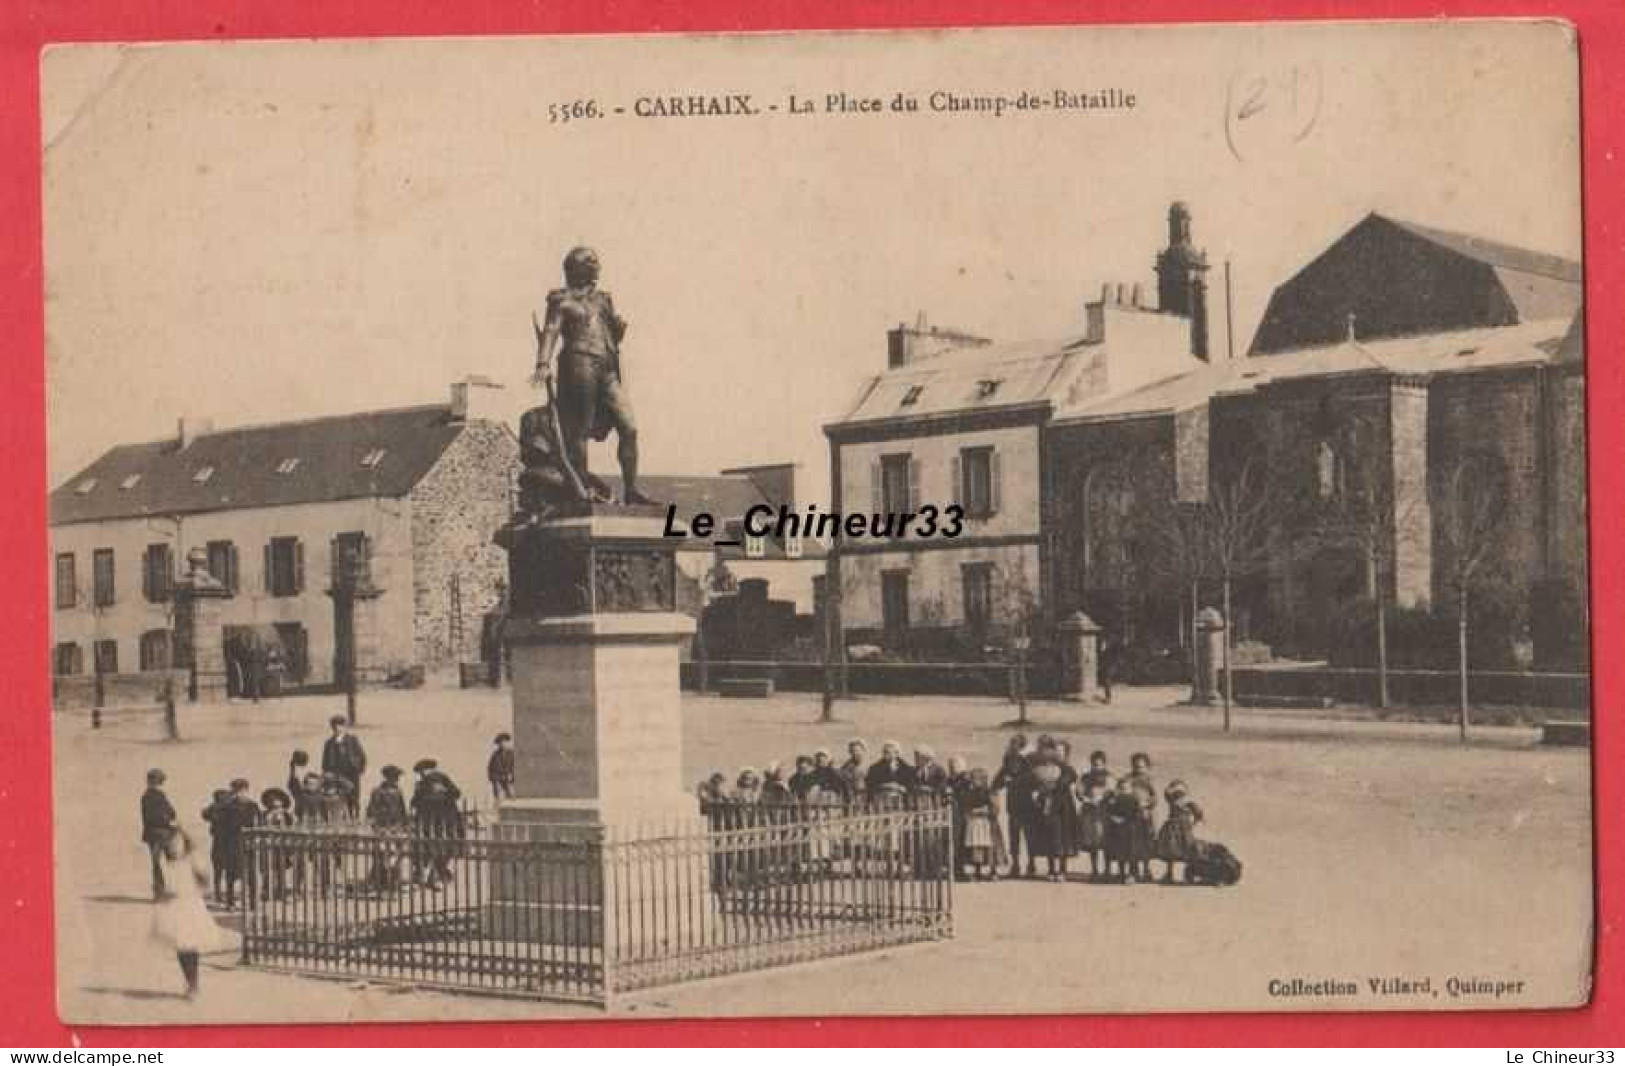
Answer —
(180, 920)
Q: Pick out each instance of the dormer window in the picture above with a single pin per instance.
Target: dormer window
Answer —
(987, 387)
(912, 396)
(287, 466)
(373, 458)
(85, 487)
(204, 473)
(130, 482)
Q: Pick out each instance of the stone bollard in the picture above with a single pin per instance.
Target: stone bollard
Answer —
(1209, 656)
(1080, 637)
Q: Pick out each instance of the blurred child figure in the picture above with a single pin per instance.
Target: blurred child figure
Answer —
(1094, 789)
(180, 921)
(1178, 834)
(499, 769)
(981, 818)
(804, 780)
(774, 793)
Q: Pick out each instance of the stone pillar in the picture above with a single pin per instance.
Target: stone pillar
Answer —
(594, 642)
(1080, 637)
(200, 638)
(1209, 656)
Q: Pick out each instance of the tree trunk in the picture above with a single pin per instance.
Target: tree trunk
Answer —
(1229, 635)
(1461, 660)
(1382, 654)
(826, 710)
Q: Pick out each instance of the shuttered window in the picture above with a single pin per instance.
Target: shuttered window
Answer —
(67, 582)
(223, 563)
(156, 651)
(979, 481)
(107, 656)
(68, 660)
(156, 573)
(101, 565)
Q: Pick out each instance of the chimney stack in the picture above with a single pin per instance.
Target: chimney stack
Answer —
(472, 399)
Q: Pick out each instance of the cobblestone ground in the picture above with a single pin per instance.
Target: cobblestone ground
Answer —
(1372, 850)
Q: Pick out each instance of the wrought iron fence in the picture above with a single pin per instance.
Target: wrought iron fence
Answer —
(581, 913)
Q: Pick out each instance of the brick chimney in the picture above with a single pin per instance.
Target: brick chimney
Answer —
(189, 428)
(474, 399)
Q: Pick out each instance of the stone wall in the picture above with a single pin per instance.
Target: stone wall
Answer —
(456, 509)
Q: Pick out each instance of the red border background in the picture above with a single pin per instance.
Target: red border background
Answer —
(26, 951)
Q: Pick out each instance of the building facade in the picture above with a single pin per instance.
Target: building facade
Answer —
(1398, 378)
(407, 498)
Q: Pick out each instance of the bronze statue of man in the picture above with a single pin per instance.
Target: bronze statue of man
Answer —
(581, 334)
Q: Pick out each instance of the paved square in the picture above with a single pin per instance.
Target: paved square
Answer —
(1372, 850)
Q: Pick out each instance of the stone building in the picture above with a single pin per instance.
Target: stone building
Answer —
(409, 496)
(1398, 363)
(957, 419)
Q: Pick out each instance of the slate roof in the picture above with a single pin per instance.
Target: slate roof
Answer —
(158, 478)
(1023, 372)
(1456, 351)
(1494, 253)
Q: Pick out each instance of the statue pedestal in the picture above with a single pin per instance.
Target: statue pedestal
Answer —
(593, 643)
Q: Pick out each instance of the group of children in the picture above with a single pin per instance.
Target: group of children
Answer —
(1052, 810)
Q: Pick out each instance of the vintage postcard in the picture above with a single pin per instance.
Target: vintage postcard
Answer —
(986, 521)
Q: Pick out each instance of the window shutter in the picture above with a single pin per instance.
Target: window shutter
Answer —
(957, 490)
(993, 482)
(270, 585)
(335, 563)
(231, 567)
(877, 482)
(298, 567)
(913, 484)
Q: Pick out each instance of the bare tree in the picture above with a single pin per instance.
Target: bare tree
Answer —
(1238, 522)
(1363, 513)
(1178, 536)
(1473, 516)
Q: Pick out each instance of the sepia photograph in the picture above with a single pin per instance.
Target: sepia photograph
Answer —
(990, 521)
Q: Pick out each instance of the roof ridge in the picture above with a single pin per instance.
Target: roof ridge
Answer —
(248, 427)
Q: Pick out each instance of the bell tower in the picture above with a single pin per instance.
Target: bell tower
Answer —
(1182, 278)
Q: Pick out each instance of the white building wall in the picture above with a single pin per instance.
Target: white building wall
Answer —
(935, 586)
(386, 522)
(1016, 449)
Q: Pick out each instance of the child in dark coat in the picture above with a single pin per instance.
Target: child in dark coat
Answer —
(1094, 789)
(217, 814)
(1143, 832)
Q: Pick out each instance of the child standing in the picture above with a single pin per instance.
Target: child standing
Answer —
(500, 768)
(278, 807)
(1142, 835)
(1178, 833)
(1094, 789)
(217, 814)
(981, 825)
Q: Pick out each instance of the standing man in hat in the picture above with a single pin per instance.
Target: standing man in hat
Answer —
(582, 332)
(157, 822)
(499, 769)
(344, 757)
